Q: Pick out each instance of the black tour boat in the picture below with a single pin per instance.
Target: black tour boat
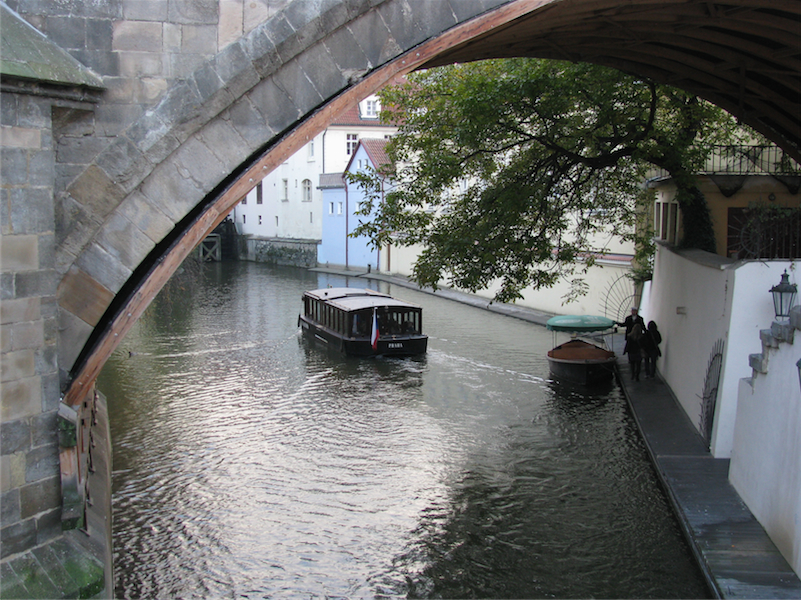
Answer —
(363, 322)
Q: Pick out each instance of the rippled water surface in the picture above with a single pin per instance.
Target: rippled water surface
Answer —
(250, 465)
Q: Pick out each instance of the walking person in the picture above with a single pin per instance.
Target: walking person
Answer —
(649, 344)
(634, 351)
(631, 320)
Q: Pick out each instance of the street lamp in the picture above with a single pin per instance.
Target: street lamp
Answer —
(783, 297)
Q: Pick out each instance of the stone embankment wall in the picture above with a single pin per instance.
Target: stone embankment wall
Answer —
(278, 251)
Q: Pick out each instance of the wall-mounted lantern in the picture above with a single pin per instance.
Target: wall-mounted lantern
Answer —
(783, 297)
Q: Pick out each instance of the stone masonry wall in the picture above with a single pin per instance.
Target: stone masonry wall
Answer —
(29, 389)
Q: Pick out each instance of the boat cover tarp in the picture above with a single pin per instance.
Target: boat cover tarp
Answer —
(579, 323)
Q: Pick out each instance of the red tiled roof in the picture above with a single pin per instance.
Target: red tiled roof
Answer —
(376, 150)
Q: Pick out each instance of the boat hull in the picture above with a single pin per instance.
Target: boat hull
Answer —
(400, 345)
(580, 362)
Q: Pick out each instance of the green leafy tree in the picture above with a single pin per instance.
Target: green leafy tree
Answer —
(508, 169)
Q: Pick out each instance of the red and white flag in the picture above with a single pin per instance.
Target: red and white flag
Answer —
(374, 334)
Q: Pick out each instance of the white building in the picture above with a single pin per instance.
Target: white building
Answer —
(287, 203)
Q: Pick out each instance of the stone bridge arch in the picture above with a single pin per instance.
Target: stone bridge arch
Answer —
(156, 191)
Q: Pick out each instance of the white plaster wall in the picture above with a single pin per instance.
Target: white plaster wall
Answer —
(689, 301)
(751, 311)
(766, 459)
(720, 299)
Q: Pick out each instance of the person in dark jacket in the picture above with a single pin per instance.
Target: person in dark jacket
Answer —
(633, 318)
(632, 348)
(650, 348)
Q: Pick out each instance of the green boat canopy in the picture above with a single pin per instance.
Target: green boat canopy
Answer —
(579, 323)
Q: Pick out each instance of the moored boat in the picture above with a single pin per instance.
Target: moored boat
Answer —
(363, 322)
(579, 361)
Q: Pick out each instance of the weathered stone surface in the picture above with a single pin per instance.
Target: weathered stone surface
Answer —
(14, 165)
(17, 538)
(74, 333)
(9, 508)
(31, 210)
(36, 283)
(142, 64)
(19, 253)
(20, 398)
(103, 267)
(323, 72)
(282, 35)
(230, 28)
(42, 467)
(235, 70)
(124, 164)
(137, 36)
(83, 296)
(147, 217)
(193, 11)
(346, 53)
(276, 107)
(199, 39)
(18, 365)
(250, 123)
(374, 38)
(96, 192)
(21, 309)
(123, 240)
(27, 336)
(170, 190)
(222, 138)
(145, 10)
(15, 436)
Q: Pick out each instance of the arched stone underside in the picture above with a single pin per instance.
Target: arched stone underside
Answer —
(177, 172)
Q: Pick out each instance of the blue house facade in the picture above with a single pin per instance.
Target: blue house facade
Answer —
(341, 200)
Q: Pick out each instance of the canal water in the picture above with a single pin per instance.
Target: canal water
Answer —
(248, 464)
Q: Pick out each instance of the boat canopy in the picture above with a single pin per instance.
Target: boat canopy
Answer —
(579, 323)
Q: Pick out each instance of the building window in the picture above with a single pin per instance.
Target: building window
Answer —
(245, 200)
(352, 142)
(311, 217)
(371, 108)
(307, 194)
(276, 221)
(310, 149)
(284, 190)
(259, 219)
(244, 219)
(259, 195)
(339, 208)
(667, 221)
(331, 208)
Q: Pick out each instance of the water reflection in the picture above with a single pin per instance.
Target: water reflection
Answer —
(251, 464)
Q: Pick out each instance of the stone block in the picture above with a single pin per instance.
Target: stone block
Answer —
(207, 82)
(466, 9)
(323, 72)
(103, 267)
(136, 36)
(9, 508)
(235, 70)
(34, 112)
(8, 110)
(22, 309)
(224, 141)
(275, 106)
(47, 251)
(74, 333)
(170, 190)
(55, 570)
(21, 137)
(171, 38)
(96, 192)
(145, 10)
(12, 471)
(152, 137)
(83, 296)
(18, 365)
(5, 338)
(51, 390)
(123, 240)
(113, 119)
(125, 165)
(346, 53)
(199, 39)
(41, 464)
(14, 165)
(46, 359)
(150, 89)
(48, 525)
(103, 62)
(230, 27)
(146, 216)
(41, 168)
(296, 83)
(193, 11)
(75, 226)
(20, 398)
(284, 38)
(27, 337)
(16, 436)
(374, 38)
(19, 253)
(180, 110)
(404, 25)
(100, 33)
(82, 567)
(78, 150)
(34, 577)
(43, 429)
(69, 32)
(36, 283)
(142, 64)
(250, 124)
(194, 160)
(262, 52)
(31, 210)
(17, 538)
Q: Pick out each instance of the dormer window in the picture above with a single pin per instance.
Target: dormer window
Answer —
(371, 108)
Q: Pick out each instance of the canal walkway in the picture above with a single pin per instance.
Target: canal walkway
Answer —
(734, 552)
